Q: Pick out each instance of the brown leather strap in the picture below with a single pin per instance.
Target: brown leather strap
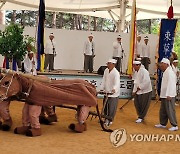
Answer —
(29, 89)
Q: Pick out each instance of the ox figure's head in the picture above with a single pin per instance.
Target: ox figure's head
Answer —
(9, 86)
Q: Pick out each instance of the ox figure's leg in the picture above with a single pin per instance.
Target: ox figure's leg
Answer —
(34, 112)
(52, 117)
(5, 115)
(30, 120)
(82, 114)
(25, 121)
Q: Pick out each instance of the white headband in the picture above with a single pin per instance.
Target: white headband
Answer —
(175, 61)
(138, 59)
(136, 62)
(114, 61)
(166, 61)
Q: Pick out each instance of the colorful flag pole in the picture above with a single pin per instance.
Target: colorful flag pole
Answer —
(132, 39)
(40, 36)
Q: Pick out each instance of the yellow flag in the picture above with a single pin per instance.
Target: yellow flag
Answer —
(132, 38)
(42, 62)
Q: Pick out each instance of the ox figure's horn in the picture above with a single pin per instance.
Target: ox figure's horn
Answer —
(29, 76)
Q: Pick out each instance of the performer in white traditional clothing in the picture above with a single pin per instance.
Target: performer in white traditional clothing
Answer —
(30, 64)
(118, 53)
(135, 72)
(167, 95)
(111, 84)
(138, 50)
(145, 53)
(175, 67)
(89, 54)
(50, 52)
(142, 91)
(176, 71)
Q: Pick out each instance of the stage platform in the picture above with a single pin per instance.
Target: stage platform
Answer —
(66, 72)
(93, 78)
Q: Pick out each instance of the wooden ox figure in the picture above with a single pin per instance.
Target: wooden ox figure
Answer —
(45, 92)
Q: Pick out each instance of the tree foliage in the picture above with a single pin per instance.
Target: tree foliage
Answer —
(177, 40)
(12, 42)
(63, 20)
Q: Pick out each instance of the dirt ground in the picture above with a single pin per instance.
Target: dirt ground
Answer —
(57, 138)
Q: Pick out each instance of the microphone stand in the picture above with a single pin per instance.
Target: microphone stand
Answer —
(121, 58)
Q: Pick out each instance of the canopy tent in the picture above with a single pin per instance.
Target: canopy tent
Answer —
(118, 10)
(146, 9)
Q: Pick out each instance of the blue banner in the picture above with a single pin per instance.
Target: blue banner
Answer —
(166, 41)
(40, 34)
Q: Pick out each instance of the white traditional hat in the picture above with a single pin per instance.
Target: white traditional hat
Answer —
(114, 61)
(146, 38)
(138, 59)
(135, 62)
(119, 36)
(90, 35)
(51, 34)
(166, 61)
(175, 61)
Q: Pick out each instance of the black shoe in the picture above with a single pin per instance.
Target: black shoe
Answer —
(52, 118)
(0, 125)
(44, 120)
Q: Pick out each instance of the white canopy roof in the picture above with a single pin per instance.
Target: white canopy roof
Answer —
(147, 9)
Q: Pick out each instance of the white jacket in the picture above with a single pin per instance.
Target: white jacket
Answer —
(117, 49)
(168, 84)
(110, 81)
(89, 47)
(175, 69)
(143, 81)
(138, 48)
(145, 52)
(28, 66)
(49, 47)
(135, 73)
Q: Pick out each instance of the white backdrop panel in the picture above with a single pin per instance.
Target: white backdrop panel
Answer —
(70, 47)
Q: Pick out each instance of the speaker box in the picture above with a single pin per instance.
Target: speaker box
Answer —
(101, 70)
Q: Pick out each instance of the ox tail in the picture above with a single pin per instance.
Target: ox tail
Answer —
(101, 121)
